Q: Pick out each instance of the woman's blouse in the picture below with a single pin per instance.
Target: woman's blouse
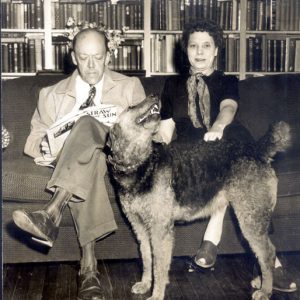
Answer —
(175, 101)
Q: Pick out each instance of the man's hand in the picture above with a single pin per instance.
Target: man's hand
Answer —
(215, 133)
(45, 147)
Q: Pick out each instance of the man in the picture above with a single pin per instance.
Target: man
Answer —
(78, 178)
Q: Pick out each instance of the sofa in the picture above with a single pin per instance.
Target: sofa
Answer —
(264, 100)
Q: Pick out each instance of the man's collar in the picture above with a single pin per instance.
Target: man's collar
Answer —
(68, 86)
(108, 83)
(84, 84)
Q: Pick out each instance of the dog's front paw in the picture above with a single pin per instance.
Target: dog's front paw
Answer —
(141, 287)
(256, 283)
(260, 295)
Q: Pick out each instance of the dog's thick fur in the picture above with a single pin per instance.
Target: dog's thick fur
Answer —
(159, 185)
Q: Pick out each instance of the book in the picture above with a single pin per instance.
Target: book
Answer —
(169, 53)
(4, 56)
(10, 57)
(31, 55)
(32, 13)
(59, 131)
(257, 53)
(39, 14)
(290, 54)
(26, 57)
(21, 57)
(282, 56)
(297, 56)
(250, 53)
(234, 24)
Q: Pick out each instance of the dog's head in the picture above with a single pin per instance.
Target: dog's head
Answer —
(131, 137)
(145, 114)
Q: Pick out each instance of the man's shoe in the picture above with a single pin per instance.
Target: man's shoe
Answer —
(89, 287)
(37, 223)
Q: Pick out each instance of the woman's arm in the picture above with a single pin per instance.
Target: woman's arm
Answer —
(166, 129)
(228, 108)
(165, 132)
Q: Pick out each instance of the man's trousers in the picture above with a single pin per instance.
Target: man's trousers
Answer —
(80, 170)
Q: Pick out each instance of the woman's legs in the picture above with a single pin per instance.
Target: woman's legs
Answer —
(214, 227)
(207, 254)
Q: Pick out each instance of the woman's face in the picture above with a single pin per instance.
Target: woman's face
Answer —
(201, 51)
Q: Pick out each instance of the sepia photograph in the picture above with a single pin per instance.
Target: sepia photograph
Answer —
(150, 149)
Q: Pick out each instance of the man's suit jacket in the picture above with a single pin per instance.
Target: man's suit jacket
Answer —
(57, 100)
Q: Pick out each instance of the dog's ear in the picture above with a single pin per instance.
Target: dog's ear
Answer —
(113, 133)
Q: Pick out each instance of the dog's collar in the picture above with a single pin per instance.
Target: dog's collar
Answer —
(121, 167)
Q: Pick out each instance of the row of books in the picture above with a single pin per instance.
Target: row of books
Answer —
(269, 53)
(22, 56)
(173, 14)
(60, 56)
(20, 15)
(229, 57)
(130, 57)
(114, 16)
(163, 52)
(273, 15)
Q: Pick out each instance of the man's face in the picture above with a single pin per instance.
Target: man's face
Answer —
(90, 56)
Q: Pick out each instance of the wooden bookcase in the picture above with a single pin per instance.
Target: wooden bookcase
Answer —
(262, 36)
(51, 43)
(258, 34)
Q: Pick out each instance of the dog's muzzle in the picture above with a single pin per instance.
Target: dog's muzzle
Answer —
(153, 110)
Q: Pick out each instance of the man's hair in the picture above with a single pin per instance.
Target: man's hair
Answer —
(203, 25)
(87, 30)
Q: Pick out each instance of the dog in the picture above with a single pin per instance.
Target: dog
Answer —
(159, 184)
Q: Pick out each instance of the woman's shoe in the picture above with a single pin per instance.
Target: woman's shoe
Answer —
(206, 255)
(282, 281)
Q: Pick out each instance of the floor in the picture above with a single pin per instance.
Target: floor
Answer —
(229, 279)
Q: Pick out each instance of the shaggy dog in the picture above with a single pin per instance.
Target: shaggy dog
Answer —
(160, 184)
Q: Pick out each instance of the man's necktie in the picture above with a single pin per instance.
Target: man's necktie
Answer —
(89, 101)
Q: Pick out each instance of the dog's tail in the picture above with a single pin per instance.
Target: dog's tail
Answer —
(277, 139)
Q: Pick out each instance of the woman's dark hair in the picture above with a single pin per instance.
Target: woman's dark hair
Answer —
(209, 26)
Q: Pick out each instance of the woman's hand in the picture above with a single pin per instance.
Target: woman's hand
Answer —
(228, 108)
(215, 133)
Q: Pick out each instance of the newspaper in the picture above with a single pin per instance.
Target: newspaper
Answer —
(58, 132)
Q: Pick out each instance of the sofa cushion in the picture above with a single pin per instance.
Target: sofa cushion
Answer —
(22, 180)
(287, 168)
(269, 99)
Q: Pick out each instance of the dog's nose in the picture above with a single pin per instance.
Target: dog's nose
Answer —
(155, 98)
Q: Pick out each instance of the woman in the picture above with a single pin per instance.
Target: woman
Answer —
(202, 103)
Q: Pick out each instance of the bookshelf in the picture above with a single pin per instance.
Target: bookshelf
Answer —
(261, 36)
(33, 31)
